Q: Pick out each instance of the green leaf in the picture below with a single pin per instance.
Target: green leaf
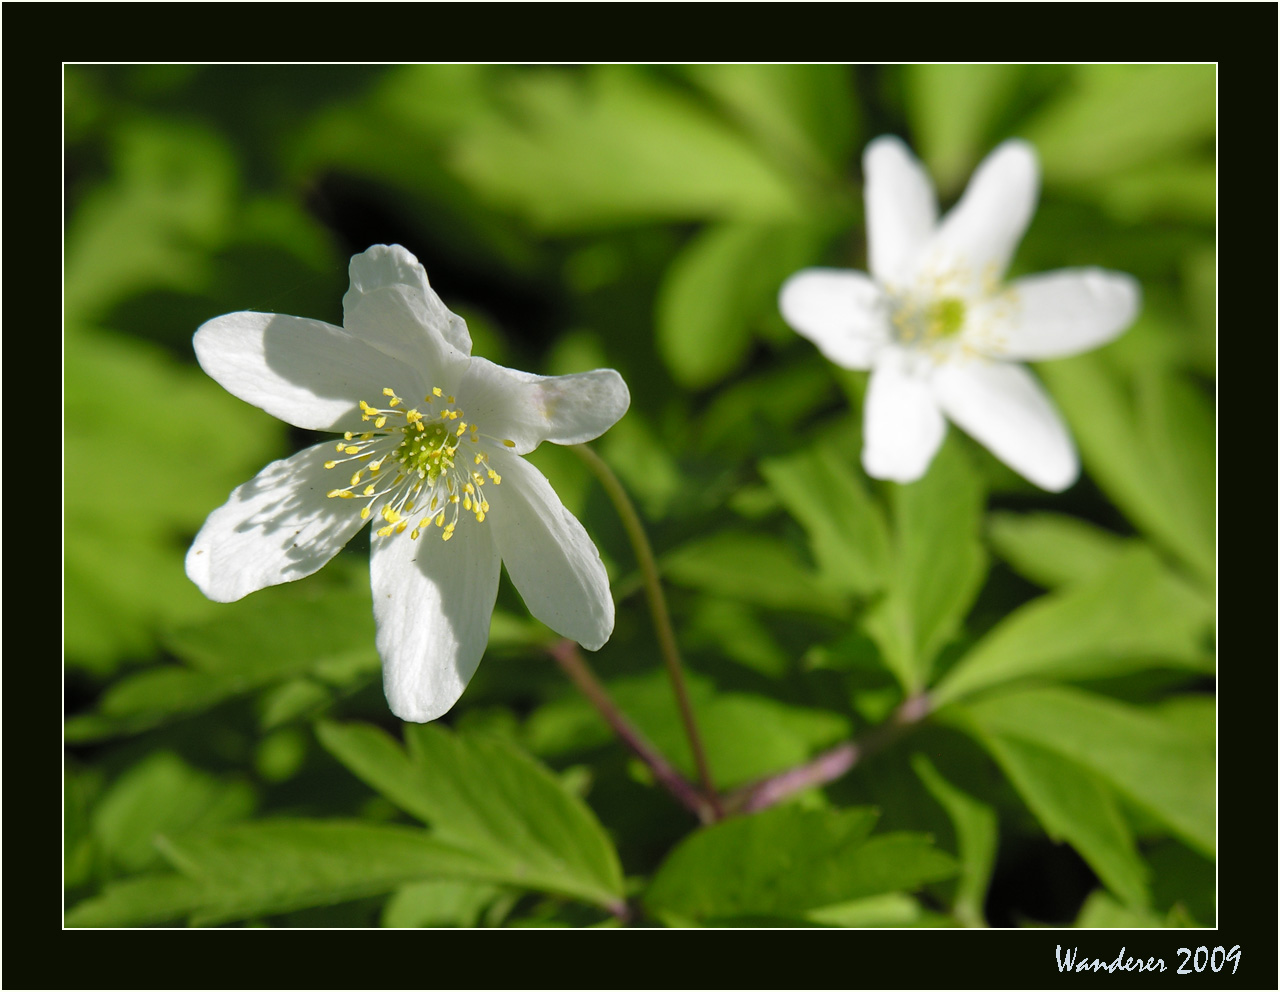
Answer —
(269, 867)
(788, 860)
(1053, 549)
(1101, 912)
(1164, 767)
(1153, 454)
(1132, 616)
(1074, 805)
(847, 532)
(952, 109)
(124, 570)
(439, 904)
(1115, 117)
(937, 566)
(149, 899)
(755, 568)
(803, 115)
(722, 286)
(613, 145)
(484, 796)
(273, 637)
(162, 794)
(976, 840)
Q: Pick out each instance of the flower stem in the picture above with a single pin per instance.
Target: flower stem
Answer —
(658, 610)
(570, 659)
(830, 765)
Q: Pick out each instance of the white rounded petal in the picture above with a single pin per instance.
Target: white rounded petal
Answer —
(396, 321)
(1004, 408)
(277, 527)
(842, 311)
(552, 562)
(433, 601)
(971, 249)
(902, 427)
(902, 207)
(306, 372)
(384, 266)
(1057, 314)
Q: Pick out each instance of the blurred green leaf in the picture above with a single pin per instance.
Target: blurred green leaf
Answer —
(788, 860)
(127, 517)
(937, 566)
(848, 536)
(1113, 117)
(1133, 615)
(1101, 912)
(1053, 549)
(169, 201)
(612, 145)
(490, 799)
(802, 115)
(162, 794)
(719, 287)
(1165, 768)
(952, 109)
(1154, 453)
(976, 840)
(439, 904)
(141, 901)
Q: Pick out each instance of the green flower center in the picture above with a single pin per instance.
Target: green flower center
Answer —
(413, 463)
(928, 322)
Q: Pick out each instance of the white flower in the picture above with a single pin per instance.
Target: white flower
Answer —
(939, 332)
(430, 452)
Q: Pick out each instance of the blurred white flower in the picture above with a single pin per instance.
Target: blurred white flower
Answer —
(430, 451)
(939, 332)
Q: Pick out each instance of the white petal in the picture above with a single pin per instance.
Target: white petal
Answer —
(528, 409)
(433, 600)
(902, 426)
(975, 241)
(306, 372)
(902, 208)
(841, 311)
(1007, 410)
(393, 266)
(552, 562)
(1057, 314)
(396, 321)
(277, 527)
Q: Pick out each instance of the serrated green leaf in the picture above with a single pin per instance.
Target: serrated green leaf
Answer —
(484, 796)
(976, 839)
(788, 860)
(755, 568)
(1132, 616)
(937, 566)
(1074, 805)
(1165, 768)
(276, 866)
(847, 532)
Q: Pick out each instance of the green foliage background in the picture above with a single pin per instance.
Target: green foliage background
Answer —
(237, 764)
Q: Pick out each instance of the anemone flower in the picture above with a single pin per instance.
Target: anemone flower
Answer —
(429, 449)
(939, 331)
